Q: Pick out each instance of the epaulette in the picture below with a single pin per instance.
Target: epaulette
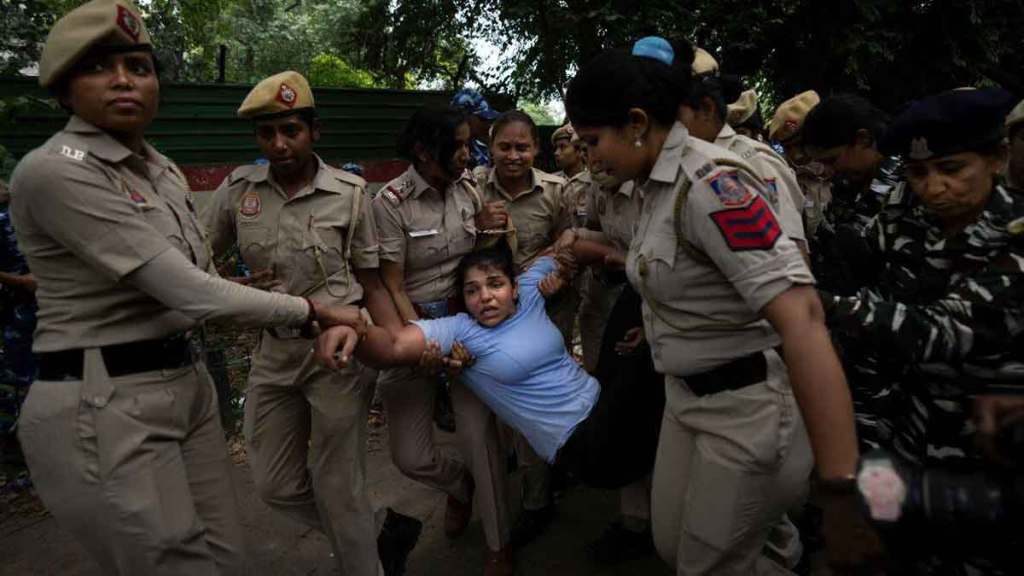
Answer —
(68, 147)
(398, 190)
(546, 177)
(243, 172)
(348, 177)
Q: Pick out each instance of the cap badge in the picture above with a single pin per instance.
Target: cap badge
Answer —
(919, 149)
(128, 23)
(286, 95)
(251, 205)
(791, 124)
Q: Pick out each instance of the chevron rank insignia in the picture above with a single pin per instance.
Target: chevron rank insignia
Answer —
(751, 227)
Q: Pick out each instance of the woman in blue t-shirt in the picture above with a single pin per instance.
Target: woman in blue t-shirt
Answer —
(522, 371)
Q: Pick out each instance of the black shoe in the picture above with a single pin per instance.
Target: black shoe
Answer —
(397, 538)
(618, 544)
(530, 524)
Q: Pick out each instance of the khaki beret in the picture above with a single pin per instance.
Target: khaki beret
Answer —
(282, 92)
(1016, 115)
(97, 23)
(741, 110)
(703, 63)
(566, 131)
(789, 118)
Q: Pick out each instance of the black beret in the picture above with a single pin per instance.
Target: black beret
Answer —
(948, 123)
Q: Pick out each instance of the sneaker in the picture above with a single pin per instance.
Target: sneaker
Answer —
(397, 538)
(618, 544)
(458, 514)
(530, 524)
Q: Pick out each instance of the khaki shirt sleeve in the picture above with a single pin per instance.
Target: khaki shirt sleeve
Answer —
(390, 232)
(789, 213)
(565, 211)
(365, 247)
(218, 217)
(745, 242)
(79, 205)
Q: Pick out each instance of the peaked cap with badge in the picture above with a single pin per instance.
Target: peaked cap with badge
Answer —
(279, 94)
(108, 23)
(703, 63)
(742, 109)
(565, 131)
(789, 117)
(948, 123)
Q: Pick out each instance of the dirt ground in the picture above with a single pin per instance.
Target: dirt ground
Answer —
(32, 543)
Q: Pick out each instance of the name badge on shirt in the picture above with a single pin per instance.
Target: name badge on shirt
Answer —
(423, 233)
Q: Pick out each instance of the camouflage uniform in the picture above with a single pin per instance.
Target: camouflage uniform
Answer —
(837, 251)
(18, 318)
(942, 319)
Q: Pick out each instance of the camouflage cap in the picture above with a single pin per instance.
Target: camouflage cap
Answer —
(949, 123)
(565, 131)
(790, 116)
(703, 62)
(284, 92)
(1016, 115)
(741, 110)
(113, 23)
(472, 102)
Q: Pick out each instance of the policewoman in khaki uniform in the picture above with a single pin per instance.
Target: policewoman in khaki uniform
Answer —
(427, 220)
(538, 211)
(307, 228)
(571, 157)
(121, 429)
(704, 113)
(785, 129)
(722, 287)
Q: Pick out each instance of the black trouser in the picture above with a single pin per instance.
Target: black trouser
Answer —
(616, 444)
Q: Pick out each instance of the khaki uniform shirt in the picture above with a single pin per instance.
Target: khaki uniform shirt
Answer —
(708, 254)
(781, 184)
(614, 213)
(427, 231)
(817, 196)
(539, 215)
(311, 241)
(89, 212)
(577, 193)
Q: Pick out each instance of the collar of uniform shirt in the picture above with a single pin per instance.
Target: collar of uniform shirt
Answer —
(106, 148)
(670, 160)
(727, 131)
(492, 180)
(626, 189)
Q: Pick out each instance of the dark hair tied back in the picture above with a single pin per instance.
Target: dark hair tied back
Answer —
(433, 129)
(513, 117)
(613, 83)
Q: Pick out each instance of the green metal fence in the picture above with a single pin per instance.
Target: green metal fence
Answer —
(197, 123)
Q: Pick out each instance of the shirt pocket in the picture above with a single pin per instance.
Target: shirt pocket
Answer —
(426, 248)
(161, 219)
(256, 246)
(323, 257)
(656, 266)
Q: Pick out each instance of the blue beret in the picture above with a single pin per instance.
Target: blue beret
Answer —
(472, 102)
(949, 123)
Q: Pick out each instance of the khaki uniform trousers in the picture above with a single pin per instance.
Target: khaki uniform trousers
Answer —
(136, 468)
(306, 430)
(729, 466)
(408, 397)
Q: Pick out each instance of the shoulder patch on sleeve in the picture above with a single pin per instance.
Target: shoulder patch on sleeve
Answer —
(752, 227)
(729, 190)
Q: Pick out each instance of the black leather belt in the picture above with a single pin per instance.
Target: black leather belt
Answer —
(739, 373)
(120, 359)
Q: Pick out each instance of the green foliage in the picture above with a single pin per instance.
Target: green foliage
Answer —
(540, 114)
(330, 70)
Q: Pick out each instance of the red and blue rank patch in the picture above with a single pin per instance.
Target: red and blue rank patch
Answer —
(751, 227)
(729, 189)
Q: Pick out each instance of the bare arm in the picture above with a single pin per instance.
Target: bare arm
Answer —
(817, 379)
(393, 276)
(380, 348)
(378, 299)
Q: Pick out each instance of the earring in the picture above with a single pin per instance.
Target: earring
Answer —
(638, 143)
